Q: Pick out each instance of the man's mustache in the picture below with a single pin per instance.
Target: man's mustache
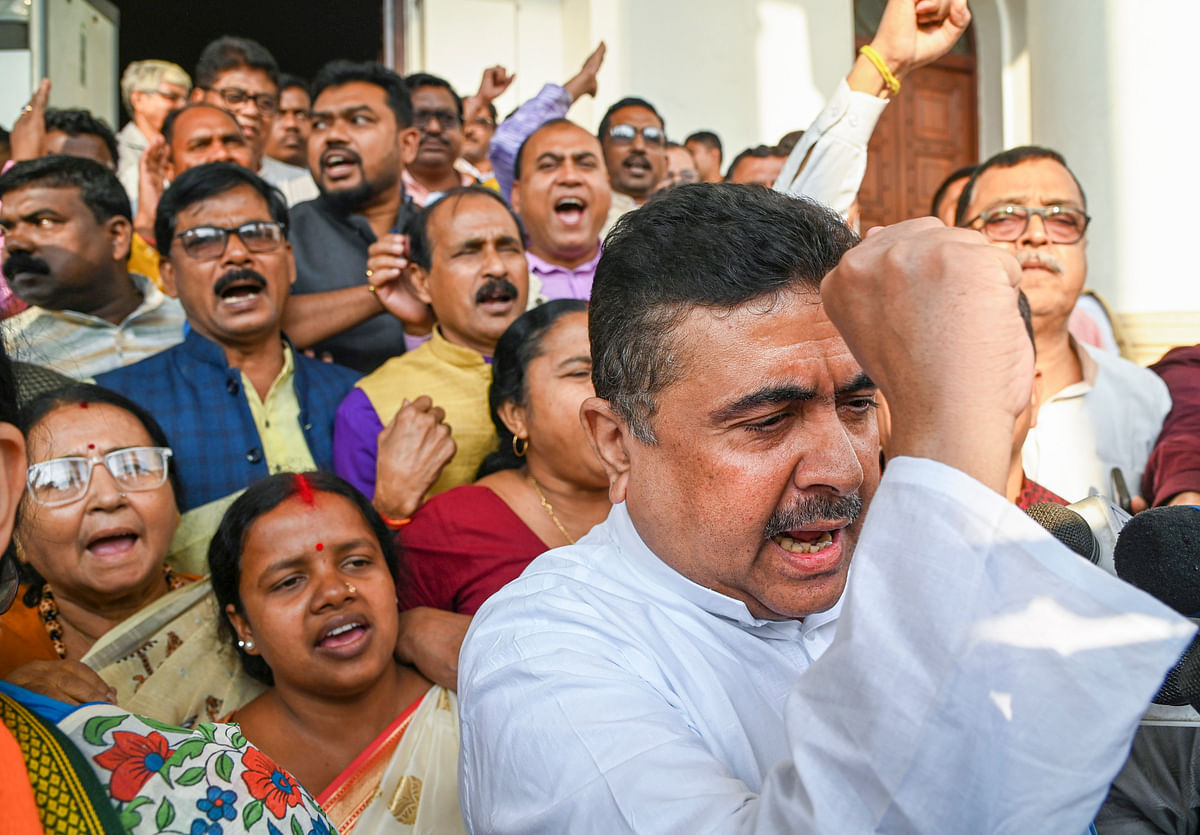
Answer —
(813, 510)
(640, 156)
(430, 138)
(1044, 259)
(496, 289)
(238, 276)
(22, 262)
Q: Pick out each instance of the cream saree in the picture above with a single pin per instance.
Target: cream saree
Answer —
(406, 781)
(169, 663)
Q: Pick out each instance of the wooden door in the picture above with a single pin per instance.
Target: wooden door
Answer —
(926, 132)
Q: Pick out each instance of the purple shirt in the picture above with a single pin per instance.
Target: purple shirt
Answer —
(356, 429)
(559, 282)
(551, 102)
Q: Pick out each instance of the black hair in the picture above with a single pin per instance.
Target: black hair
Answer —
(706, 138)
(519, 345)
(420, 245)
(77, 121)
(337, 73)
(98, 185)
(287, 81)
(756, 152)
(628, 101)
(963, 173)
(698, 245)
(168, 128)
(424, 79)
(33, 412)
(228, 543)
(227, 53)
(521, 150)
(203, 182)
(1008, 159)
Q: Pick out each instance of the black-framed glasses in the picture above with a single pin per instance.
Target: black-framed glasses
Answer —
(210, 241)
(61, 481)
(1004, 224)
(266, 103)
(448, 119)
(624, 134)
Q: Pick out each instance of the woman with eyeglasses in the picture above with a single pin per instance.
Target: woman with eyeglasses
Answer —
(100, 616)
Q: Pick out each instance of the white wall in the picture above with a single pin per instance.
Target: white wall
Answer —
(749, 69)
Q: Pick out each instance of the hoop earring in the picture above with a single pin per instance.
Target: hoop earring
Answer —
(520, 452)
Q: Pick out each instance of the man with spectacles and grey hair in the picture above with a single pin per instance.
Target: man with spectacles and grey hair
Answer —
(240, 75)
(1098, 413)
(149, 90)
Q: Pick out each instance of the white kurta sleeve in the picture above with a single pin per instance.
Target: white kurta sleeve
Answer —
(829, 161)
(983, 678)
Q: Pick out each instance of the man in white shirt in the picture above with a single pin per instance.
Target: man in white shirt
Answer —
(639, 680)
(1097, 411)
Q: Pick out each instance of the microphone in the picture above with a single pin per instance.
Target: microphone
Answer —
(1159, 552)
(1088, 527)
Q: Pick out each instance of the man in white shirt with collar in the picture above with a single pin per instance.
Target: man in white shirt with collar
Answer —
(1097, 411)
(639, 680)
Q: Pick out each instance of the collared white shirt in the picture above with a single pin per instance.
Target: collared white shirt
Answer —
(601, 691)
(1111, 418)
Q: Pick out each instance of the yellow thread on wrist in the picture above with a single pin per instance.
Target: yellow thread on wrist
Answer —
(876, 59)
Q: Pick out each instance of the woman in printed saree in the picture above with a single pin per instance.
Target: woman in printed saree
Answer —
(304, 571)
(100, 616)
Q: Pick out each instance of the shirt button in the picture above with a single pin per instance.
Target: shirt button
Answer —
(232, 386)
(254, 455)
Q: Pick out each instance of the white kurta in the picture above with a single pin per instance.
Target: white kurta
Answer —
(603, 692)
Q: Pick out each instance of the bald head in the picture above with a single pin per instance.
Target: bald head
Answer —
(201, 133)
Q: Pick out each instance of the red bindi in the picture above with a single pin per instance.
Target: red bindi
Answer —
(91, 446)
(320, 546)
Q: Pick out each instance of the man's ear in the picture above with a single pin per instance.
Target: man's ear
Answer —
(610, 438)
(120, 232)
(12, 478)
(410, 138)
(167, 273)
(514, 199)
(419, 277)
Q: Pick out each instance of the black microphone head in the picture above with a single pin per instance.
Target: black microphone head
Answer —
(1159, 552)
(1182, 684)
(1067, 526)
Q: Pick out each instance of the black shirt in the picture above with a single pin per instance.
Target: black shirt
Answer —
(331, 254)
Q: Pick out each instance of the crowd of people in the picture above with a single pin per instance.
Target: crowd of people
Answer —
(380, 464)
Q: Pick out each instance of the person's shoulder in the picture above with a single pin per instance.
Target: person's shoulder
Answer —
(1130, 376)
(330, 371)
(144, 373)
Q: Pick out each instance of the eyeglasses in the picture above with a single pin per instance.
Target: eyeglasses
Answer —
(173, 98)
(210, 241)
(233, 96)
(483, 122)
(1005, 224)
(448, 119)
(61, 481)
(622, 134)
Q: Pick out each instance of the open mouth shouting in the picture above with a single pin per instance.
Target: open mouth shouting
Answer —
(111, 543)
(497, 295)
(569, 210)
(344, 635)
(340, 163)
(239, 288)
(810, 536)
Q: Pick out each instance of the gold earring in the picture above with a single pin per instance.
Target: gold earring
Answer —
(520, 452)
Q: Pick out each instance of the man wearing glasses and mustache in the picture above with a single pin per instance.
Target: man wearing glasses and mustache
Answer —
(67, 228)
(1097, 412)
(438, 116)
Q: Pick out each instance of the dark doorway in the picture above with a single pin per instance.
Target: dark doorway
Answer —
(301, 34)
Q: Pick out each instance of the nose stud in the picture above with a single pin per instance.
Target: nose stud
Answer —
(350, 588)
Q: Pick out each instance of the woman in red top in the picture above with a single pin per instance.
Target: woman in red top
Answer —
(543, 488)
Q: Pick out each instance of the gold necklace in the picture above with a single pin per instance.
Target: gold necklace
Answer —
(549, 509)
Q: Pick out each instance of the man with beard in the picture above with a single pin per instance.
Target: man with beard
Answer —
(1097, 411)
(236, 400)
(468, 264)
(438, 118)
(67, 228)
(289, 135)
(241, 75)
(698, 662)
(360, 130)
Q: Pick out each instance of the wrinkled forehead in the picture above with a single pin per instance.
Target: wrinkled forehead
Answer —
(562, 138)
(636, 115)
(203, 120)
(247, 78)
(40, 195)
(1033, 182)
(459, 218)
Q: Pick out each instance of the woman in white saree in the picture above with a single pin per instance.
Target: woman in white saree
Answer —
(304, 572)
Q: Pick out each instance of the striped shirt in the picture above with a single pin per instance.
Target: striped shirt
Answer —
(81, 346)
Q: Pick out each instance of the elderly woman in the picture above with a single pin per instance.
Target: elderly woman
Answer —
(542, 489)
(304, 571)
(100, 615)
